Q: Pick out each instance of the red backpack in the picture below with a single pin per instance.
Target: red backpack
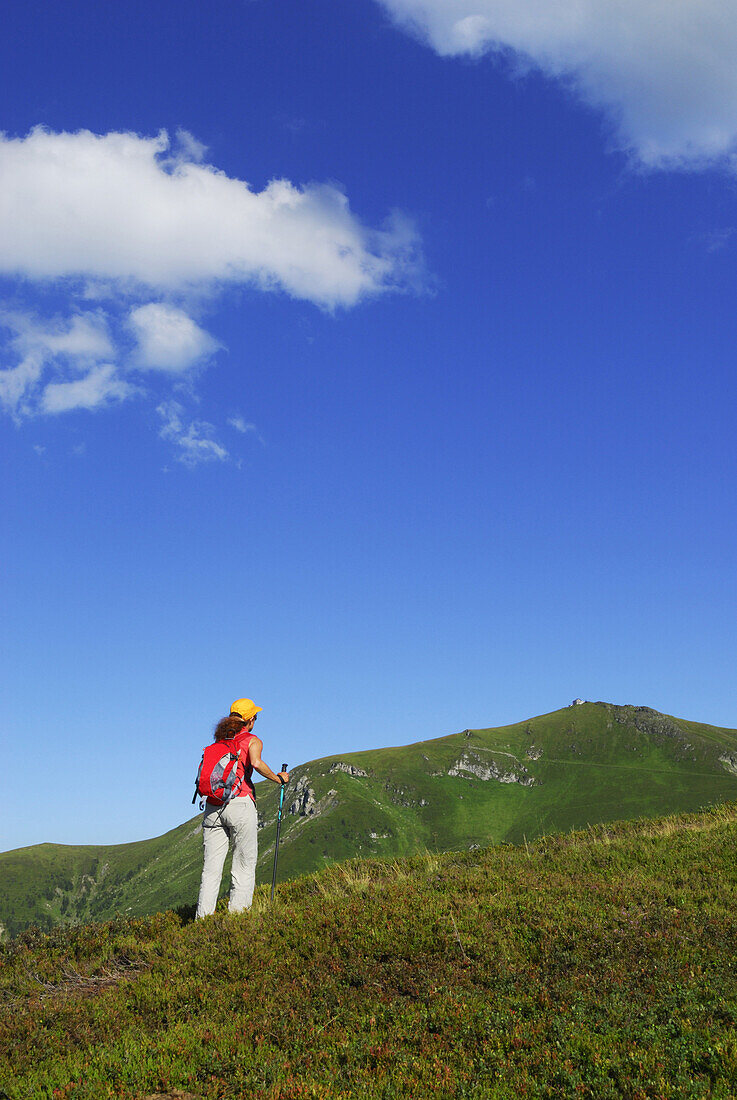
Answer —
(222, 771)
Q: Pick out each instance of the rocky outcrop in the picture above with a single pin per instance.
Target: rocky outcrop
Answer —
(305, 802)
(400, 796)
(349, 769)
(729, 760)
(649, 721)
(470, 764)
(533, 753)
(466, 766)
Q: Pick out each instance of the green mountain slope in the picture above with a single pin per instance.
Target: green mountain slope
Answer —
(584, 764)
(596, 964)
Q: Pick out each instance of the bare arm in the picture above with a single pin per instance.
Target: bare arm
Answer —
(254, 759)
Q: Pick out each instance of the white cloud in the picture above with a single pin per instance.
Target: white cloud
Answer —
(99, 387)
(83, 336)
(17, 382)
(129, 229)
(86, 337)
(168, 339)
(73, 344)
(242, 425)
(189, 148)
(245, 427)
(63, 366)
(130, 209)
(194, 440)
(664, 70)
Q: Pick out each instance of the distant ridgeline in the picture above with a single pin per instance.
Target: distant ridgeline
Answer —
(585, 764)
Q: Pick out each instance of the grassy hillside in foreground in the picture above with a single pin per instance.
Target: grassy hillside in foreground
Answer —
(585, 764)
(597, 964)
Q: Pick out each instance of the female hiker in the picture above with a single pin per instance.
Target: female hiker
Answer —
(235, 820)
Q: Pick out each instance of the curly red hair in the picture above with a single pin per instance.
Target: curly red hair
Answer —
(228, 727)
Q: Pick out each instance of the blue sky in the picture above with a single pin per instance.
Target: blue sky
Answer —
(381, 371)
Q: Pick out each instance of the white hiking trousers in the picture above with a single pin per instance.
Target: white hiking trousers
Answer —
(238, 822)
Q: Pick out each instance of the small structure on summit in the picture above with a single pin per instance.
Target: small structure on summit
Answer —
(577, 703)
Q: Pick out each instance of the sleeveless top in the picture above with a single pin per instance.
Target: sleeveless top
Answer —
(246, 788)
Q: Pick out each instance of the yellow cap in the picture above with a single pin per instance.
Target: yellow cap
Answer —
(244, 708)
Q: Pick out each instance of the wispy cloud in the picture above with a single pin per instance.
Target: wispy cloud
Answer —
(100, 387)
(68, 347)
(19, 381)
(664, 71)
(63, 365)
(194, 440)
(243, 426)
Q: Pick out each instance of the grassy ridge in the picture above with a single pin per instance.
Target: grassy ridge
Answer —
(50, 884)
(597, 964)
(580, 765)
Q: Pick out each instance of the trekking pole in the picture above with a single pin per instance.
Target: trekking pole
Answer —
(278, 830)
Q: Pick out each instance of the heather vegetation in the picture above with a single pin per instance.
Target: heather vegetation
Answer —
(598, 964)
